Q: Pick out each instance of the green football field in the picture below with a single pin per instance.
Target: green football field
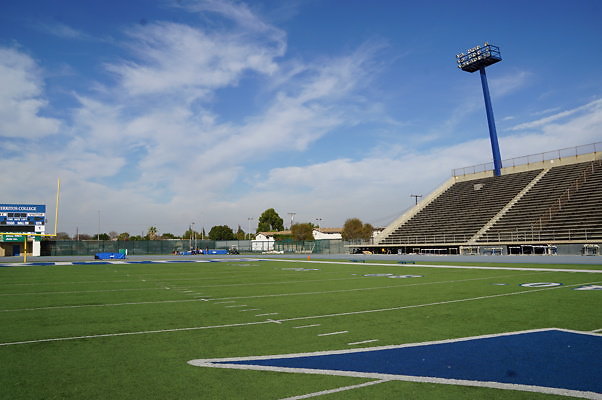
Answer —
(128, 331)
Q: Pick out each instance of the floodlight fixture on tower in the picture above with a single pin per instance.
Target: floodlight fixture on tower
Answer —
(479, 57)
(476, 59)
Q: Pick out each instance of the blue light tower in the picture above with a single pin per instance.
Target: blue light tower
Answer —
(476, 59)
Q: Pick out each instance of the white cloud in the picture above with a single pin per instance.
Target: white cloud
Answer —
(152, 147)
(509, 83)
(21, 100)
(63, 31)
(144, 152)
(373, 188)
(595, 105)
(176, 57)
(240, 13)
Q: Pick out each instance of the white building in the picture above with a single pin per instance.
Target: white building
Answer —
(327, 233)
(264, 241)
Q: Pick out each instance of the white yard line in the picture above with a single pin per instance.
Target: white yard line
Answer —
(187, 289)
(80, 291)
(363, 342)
(332, 333)
(595, 271)
(365, 288)
(306, 326)
(432, 304)
(103, 305)
(64, 283)
(597, 330)
(140, 276)
(296, 318)
(337, 390)
(225, 300)
(195, 328)
(263, 315)
(279, 283)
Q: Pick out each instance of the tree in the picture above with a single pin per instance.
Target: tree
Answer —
(368, 231)
(270, 221)
(302, 231)
(103, 236)
(62, 236)
(123, 236)
(240, 234)
(221, 232)
(113, 235)
(168, 235)
(152, 233)
(354, 229)
(190, 234)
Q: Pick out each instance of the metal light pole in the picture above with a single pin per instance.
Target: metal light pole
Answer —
(193, 235)
(476, 59)
(249, 226)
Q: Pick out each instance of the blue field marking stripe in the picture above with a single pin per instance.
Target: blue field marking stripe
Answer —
(34, 264)
(121, 262)
(40, 263)
(548, 361)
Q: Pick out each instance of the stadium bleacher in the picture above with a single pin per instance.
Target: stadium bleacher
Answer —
(459, 212)
(549, 202)
(576, 218)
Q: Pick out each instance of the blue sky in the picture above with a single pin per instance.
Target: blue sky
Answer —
(170, 112)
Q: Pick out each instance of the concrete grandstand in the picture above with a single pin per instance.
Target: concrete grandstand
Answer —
(550, 203)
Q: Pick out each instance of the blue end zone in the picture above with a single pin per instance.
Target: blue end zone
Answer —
(549, 359)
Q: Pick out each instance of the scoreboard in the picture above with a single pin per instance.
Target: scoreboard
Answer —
(22, 218)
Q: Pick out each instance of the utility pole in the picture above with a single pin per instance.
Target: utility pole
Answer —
(249, 226)
(292, 214)
(416, 196)
(193, 235)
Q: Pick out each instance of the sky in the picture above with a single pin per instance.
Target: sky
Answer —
(172, 112)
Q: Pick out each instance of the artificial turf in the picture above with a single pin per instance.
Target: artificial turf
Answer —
(126, 331)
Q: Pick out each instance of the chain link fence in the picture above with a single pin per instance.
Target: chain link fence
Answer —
(161, 247)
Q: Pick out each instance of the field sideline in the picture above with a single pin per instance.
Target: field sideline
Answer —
(155, 330)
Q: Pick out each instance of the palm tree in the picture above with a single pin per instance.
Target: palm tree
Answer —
(152, 233)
